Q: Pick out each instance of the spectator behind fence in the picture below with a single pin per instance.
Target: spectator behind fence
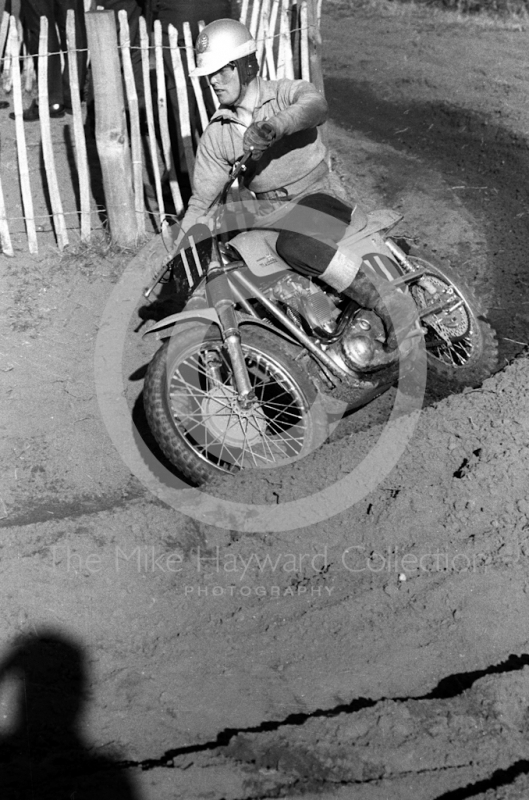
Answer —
(58, 81)
(176, 12)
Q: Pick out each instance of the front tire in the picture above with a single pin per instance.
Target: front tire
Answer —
(462, 348)
(192, 408)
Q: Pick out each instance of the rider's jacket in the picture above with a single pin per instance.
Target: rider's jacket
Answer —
(295, 162)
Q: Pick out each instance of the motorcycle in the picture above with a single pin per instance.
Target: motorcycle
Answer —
(261, 361)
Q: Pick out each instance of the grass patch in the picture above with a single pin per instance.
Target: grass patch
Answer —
(499, 14)
(100, 257)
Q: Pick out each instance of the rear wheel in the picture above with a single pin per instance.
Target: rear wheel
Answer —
(194, 413)
(462, 347)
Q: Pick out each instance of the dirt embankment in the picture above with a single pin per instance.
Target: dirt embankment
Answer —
(381, 653)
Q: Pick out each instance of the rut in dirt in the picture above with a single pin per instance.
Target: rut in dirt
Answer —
(450, 687)
(486, 166)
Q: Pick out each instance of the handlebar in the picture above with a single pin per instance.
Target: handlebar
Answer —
(238, 167)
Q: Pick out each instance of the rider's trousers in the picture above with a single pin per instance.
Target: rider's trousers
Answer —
(311, 230)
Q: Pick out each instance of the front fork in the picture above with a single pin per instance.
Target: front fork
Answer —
(220, 295)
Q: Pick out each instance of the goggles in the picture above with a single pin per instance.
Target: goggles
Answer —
(222, 75)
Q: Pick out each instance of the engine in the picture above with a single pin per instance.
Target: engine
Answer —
(308, 301)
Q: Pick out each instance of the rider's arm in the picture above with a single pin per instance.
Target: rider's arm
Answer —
(211, 172)
(303, 107)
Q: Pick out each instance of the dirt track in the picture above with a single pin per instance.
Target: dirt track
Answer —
(223, 664)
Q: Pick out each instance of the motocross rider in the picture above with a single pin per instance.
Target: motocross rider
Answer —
(288, 175)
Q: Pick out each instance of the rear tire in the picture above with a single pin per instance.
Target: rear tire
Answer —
(197, 421)
(471, 354)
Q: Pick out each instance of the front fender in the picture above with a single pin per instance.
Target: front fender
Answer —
(165, 328)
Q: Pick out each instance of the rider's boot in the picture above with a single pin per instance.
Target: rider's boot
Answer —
(396, 309)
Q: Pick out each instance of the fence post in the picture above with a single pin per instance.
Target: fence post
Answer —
(315, 59)
(111, 130)
(244, 11)
(162, 119)
(47, 147)
(315, 46)
(285, 68)
(135, 132)
(13, 44)
(183, 99)
(145, 61)
(304, 44)
(4, 26)
(81, 157)
(195, 82)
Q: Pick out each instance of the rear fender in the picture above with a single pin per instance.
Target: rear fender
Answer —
(375, 253)
(167, 327)
(371, 239)
(377, 221)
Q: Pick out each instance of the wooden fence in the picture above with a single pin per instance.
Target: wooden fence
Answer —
(287, 35)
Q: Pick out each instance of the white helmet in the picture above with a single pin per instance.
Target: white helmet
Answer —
(219, 43)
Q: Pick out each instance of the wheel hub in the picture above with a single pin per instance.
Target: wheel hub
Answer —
(228, 421)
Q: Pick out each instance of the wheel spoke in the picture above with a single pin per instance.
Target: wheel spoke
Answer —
(262, 437)
(295, 444)
(223, 403)
(243, 451)
(277, 397)
(206, 413)
(250, 450)
(190, 390)
(259, 455)
(225, 434)
(266, 443)
(191, 428)
(263, 385)
(283, 413)
(277, 431)
(281, 408)
(284, 432)
(195, 367)
(276, 434)
(458, 350)
(456, 354)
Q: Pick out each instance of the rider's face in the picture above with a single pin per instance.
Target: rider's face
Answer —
(226, 84)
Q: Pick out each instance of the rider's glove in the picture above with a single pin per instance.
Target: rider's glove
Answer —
(258, 138)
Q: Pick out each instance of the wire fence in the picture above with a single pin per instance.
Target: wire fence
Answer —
(160, 164)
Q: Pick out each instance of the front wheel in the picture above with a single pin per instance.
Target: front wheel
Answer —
(195, 415)
(462, 347)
